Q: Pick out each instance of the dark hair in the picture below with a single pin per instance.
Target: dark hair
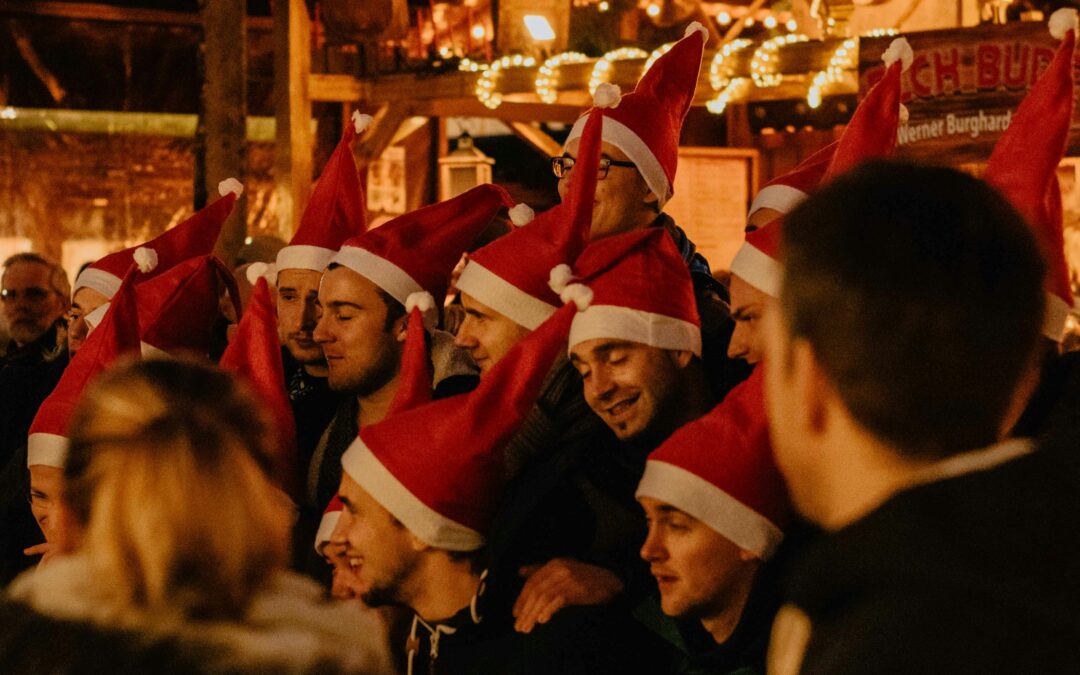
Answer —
(920, 292)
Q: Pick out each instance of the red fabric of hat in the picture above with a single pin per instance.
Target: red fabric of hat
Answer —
(116, 336)
(1023, 166)
(336, 211)
(641, 291)
(438, 467)
(647, 123)
(254, 355)
(177, 311)
(719, 469)
(418, 251)
(194, 237)
(785, 192)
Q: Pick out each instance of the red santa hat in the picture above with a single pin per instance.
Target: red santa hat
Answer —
(1024, 164)
(438, 467)
(719, 469)
(646, 123)
(635, 286)
(194, 237)
(254, 355)
(418, 251)
(118, 335)
(784, 193)
(511, 275)
(871, 133)
(330, 517)
(177, 310)
(336, 211)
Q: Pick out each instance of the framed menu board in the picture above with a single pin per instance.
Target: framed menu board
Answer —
(713, 190)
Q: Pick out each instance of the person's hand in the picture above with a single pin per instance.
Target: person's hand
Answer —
(46, 550)
(558, 583)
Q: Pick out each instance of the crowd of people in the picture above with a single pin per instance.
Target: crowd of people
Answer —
(570, 448)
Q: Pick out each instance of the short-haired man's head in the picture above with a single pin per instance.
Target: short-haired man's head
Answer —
(168, 477)
(35, 293)
(298, 313)
(623, 200)
(634, 388)
(919, 291)
(487, 334)
(361, 332)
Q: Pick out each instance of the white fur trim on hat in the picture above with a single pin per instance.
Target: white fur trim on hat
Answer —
(899, 50)
(423, 301)
(782, 198)
(428, 525)
(326, 529)
(521, 214)
(93, 319)
(304, 257)
(607, 95)
(623, 138)
(758, 269)
(46, 450)
(379, 271)
(99, 280)
(149, 351)
(230, 185)
(503, 297)
(360, 121)
(696, 27)
(1057, 314)
(1062, 21)
(623, 323)
(697, 497)
(146, 258)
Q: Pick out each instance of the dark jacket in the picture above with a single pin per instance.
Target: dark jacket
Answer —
(576, 641)
(28, 375)
(56, 624)
(1054, 408)
(972, 574)
(713, 304)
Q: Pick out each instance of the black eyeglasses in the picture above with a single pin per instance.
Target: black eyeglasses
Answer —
(33, 294)
(562, 164)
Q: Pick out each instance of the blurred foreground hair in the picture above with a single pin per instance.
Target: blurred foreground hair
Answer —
(166, 476)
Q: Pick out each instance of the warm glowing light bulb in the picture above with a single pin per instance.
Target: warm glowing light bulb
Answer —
(791, 25)
(478, 32)
(749, 21)
(770, 22)
(653, 10)
(604, 6)
(539, 28)
(724, 18)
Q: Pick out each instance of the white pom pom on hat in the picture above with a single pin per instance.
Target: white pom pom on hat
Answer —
(697, 27)
(607, 95)
(904, 114)
(230, 185)
(560, 277)
(899, 50)
(146, 258)
(261, 269)
(360, 121)
(521, 215)
(425, 302)
(1062, 21)
(579, 294)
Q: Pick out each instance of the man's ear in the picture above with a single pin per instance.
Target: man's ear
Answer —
(651, 198)
(681, 357)
(401, 328)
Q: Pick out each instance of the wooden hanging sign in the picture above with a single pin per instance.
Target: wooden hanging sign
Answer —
(963, 87)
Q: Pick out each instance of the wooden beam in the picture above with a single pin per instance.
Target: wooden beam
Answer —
(224, 106)
(536, 138)
(292, 110)
(379, 135)
(111, 122)
(90, 11)
(334, 88)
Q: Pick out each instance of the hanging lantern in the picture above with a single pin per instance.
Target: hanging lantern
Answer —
(463, 169)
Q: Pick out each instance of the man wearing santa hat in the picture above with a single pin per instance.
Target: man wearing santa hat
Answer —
(637, 346)
(890, 388)
(755, 270)
(361, 331)
(715, 503)
(639, 158)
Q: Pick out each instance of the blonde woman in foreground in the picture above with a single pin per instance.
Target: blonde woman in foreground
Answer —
(176, 545)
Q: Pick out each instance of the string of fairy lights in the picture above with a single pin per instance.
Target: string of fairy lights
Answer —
(765, 69)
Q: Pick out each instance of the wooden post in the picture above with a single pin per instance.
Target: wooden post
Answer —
(224, 102)
(292, 110)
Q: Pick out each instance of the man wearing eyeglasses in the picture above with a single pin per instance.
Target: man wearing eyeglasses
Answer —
(639, 157)
(34, 294)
